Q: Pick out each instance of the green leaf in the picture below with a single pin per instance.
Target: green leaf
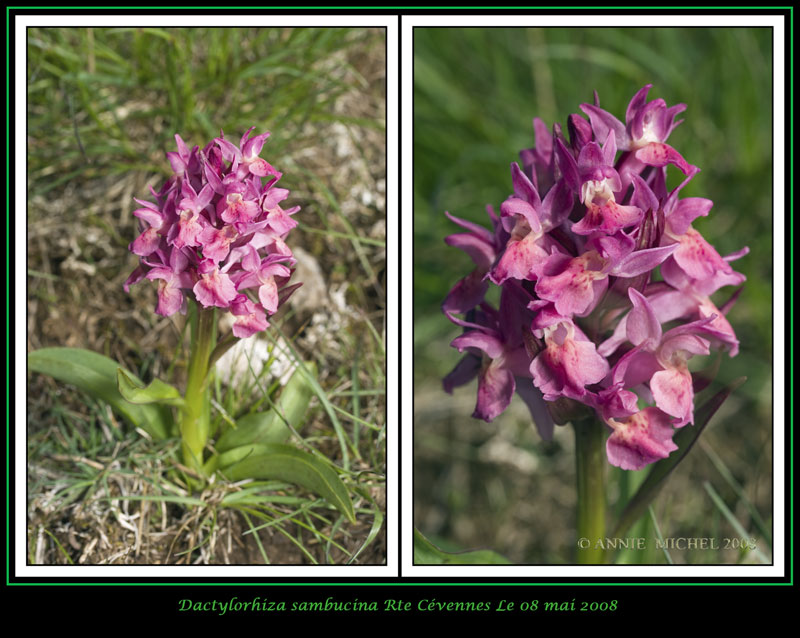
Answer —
(426, 553)
(278, 461)
(685, 439)
(271, 426)
(96, 375)
(230, 457)
(135, 391)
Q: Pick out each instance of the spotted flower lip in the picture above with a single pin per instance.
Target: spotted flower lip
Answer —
(216, 233)
(640, 439)
(605, 284)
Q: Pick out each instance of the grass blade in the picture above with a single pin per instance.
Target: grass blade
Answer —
(726, 512)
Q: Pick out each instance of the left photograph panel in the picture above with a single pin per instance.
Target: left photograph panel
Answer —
(205, 277)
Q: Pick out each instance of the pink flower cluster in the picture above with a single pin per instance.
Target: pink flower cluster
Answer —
(216, 231)
(584, 317)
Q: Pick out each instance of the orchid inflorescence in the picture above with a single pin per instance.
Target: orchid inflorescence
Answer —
(584, 324)
(216, 231)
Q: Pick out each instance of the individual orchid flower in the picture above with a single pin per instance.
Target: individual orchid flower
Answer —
(173, 278)
(527, 219)
(694, 255)
(246, 159)
(497, 354)
(647, 126)
(640, 439)
(213, 288)
(480, 244)
(184, 161)
(568, 362)
(576, 284)
(596, 184)
(250, 317)
(661, 359)
(261, 274)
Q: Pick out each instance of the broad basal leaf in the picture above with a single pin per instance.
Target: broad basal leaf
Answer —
(270, 427)
(135, 391)
(96, 375)
(279, 461)
(426, 553)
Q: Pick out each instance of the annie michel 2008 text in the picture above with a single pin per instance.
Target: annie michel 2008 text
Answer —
(679, 542)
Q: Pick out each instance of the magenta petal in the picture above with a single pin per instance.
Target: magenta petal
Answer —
(170, 298)
(523, 188)
(215, 289)
(146, 243)
(637, 102)
(533, 398)
(268, 295)
(480, 231)
(252, 147)
(634, 367)
(583, 365)
(495, 388)
(643, 327)
(641, 439)
(274, 197)
(521, 260)
(557, 205)
(658, 154)
(514, 206)
(466, 294)
(568, 166)
(481, 252)
(607, 219)
(603, 122)
(246, 325)
(567, 365)
(697, 258)
(686, 211)
(176, 162)
(280, 221)
(134, 278)
(643, 195)
(152, 217)
(572, 284)
(543, 137)
(641, 261)
(673, 392)
(464, 372)
(491, 345)
(616, 403)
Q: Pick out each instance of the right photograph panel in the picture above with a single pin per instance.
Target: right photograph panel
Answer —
(593, 250)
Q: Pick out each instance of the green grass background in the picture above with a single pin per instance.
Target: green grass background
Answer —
(476, 91)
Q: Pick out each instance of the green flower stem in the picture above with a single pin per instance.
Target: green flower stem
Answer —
(590, 468)
(196, 416)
